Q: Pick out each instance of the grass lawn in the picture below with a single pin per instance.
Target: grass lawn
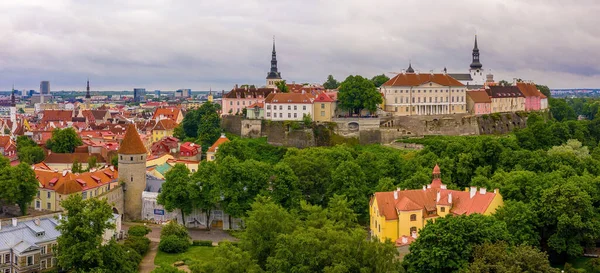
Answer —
(194, 254)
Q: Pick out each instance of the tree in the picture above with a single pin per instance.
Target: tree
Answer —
(209, 129)
(386, 184)
(283, 187)
(177, 191)
(76, 167)
(560, 110)
(521, 221)
(504, 83)
(28, 151)
(331, 83)
(348, 179)
(380, 80)
(80, 243)
(207, 189)
(228, 258)
(191, 122)
(447, 244)
(18, 185)
(502, 258)
(118, 258)
(21, 111)
(357, 93)
(92, 162)
(63, 140)
(115, 161)
(282, 86)
(545, 90)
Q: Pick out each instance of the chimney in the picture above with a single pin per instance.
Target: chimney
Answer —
(36, 221)
(395, 195)
(496, 191)
(14, 222)
(59, 216)
(424, 187)
(482, 191)
(404, 240)
(450, 198)
(443, 186)
(472, 192)
(437, 198)
(403, 71)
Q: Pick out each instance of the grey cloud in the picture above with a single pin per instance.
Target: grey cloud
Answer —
(158, 44)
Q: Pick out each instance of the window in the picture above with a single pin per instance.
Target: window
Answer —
(121, 157)
(243, 102)
(429, 99)
(280, 115)
(322, 113)
(280, 107)
(413, 217)
(268, 107)
(29, 260)
(7, 270)
(131, 159)
(85, 194)
(268, 114)
(413, 101)
(43, 250)
(395, 100)
(295, 107)
(142, 157)
(6, 258)
(413, 231)
(49, 194)
(289, 115)
(48, 206)
(295, 115)
(419, 99)
(443, 209)
(289, 107)
(43, 265)
(238, 103)
(304, 107)
(322, 105)
(406, 109)
(38, 204)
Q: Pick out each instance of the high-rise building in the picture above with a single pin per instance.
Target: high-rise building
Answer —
(139, 94)
(157, 93)
(45, 87)
(183, 93)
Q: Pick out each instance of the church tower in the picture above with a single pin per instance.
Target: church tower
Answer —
(476, 69)
(273, 76)
(88, 97)
(13, 107)
(132, 172)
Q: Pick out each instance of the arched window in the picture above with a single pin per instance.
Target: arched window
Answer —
(413, 231)
(413, 217)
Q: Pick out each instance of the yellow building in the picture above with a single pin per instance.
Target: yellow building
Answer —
(163, 128)
(400, 214)
(324, 108)
(410, 93)
(506, 99)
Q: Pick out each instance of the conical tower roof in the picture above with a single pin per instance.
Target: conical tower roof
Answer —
(132, 143)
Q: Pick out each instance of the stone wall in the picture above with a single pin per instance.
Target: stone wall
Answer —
(501, 123)
(232, 124)
(279, 133)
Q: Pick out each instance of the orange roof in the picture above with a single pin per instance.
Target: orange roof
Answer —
(479, 96)
(528, 89)
(543, 96)
(165, 124)
(413, 79)
(67, 182)
(257, 104)
(132, 143)
(323, 98)
(288, 98)
(170, 113)
(57, 115)
(218, 143)
(461, 202)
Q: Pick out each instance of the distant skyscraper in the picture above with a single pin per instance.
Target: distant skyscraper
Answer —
(183, 93)
(45, 87)
(139, 94)
(157, 93)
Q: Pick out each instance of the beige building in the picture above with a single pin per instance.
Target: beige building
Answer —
(506, 99)
(324, 107)
(410, 93)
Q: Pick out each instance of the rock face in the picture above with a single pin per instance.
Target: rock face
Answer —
(373, 130)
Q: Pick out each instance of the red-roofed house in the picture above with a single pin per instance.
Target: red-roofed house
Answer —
(171, 113)
(532, 96)
(479, 102)
(212, 151)
(404, 212)
(190, 151)
(288, 106)
(324, 107)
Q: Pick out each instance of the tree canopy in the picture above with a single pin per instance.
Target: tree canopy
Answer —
(28, 151)
(64, 140)
(201, 125)
(357, 93)
(380, 80)
(331, 83)
(282, 86)
(18, 185)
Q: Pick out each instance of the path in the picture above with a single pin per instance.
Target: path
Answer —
(147, 264)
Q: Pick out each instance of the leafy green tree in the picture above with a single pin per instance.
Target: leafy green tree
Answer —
(282, 86)
(502, 258)
(207, 189)
(28, 151)
(18, 185)
(21, 111)
(228, 259)
(447, 244)
(76, 167)
(380, 80)
(177, 191)
(521, 221)
(191, 122)
(209, 129)
(386, 184)
(92, 162)
(357, 93)
(545, 90)
(63, 141)
(264, 223)
(169, 269)
(348, 179)
(80, 243)
(504, 83)
(331, 83)
(283, 187)
(172, 228)
(115, 161)
(560, 110)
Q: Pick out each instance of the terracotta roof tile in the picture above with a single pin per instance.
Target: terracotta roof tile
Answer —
(165, 124)
(67, 182)
(529, 89)
(479, 96)
(217, 143)
(288, 98)
(132, 143)
(413, 79)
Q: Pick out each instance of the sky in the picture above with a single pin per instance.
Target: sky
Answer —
(202, 45)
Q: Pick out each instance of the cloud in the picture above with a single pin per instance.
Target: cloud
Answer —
(160, 44)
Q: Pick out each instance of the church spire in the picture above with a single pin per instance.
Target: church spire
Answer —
(87, 93)
(12, 96)
(476, 64)
(410, 69)
(274, 74)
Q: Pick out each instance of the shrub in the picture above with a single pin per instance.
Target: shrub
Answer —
(173, 244)
(228, 242)
(202, 243)
(138, 231)
(140, 244)
(173, 228)
(166, 269)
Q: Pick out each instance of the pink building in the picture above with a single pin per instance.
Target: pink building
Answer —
(239, 98)
(532, 95)
(479, 102)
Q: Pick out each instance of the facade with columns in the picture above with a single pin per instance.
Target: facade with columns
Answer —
(410, 94)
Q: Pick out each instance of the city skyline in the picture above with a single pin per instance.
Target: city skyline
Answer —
(121, 45)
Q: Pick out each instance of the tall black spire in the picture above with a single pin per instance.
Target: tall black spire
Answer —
(475, 65)
(410, 69)
(12, 97)
(274, 74)
(87, 93)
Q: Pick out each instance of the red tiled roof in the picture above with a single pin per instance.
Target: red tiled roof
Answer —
(288, 98)
(257, 104)
(217, 143)
(57, 115)
(413, 79)
(479, 96)
(189, 146)
(170, 113)
(323, 97)
(67, 182)
(132, 143)
(529, 89)
(165, 124)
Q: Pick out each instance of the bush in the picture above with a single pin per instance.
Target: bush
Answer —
(166, 269)
(173, 228)
(202, 243)
(173, 244)
(229, 242)
(140, 244)
(138, 231)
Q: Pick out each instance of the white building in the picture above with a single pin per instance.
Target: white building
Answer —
(288, 106)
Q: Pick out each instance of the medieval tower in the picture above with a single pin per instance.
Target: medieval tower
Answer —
(132, 171)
